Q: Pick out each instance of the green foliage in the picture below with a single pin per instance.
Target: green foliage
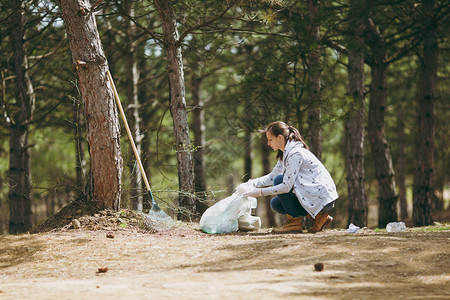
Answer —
(436, 227)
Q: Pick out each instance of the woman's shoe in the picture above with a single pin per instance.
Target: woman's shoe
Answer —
(320, 221)
(292, 225)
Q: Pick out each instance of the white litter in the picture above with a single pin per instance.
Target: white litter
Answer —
(231, 214)
(353, 228)
(396, 227)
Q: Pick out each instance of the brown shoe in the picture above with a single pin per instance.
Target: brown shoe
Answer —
(292, 225)
(320, 221)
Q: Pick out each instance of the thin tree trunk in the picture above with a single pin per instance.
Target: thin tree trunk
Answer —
(50, 204)
(265, 156)
(248, 154)
(175, 72)
(147, 115)
(401, 167)
(380, 149)
(147, 131)
(299, 114)
(314, 113)
(133, 109)
(198, 128)
(146, 156)
(354, 125)
(103, 131)
(423, 186)
(19, 163)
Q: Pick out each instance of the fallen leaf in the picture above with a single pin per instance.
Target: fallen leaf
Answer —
(102, 269)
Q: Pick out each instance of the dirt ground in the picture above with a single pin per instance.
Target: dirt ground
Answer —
(184, 263)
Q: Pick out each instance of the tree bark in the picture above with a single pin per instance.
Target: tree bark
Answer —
(80, 147)
(354, 125)
(314, 112)
(133, 109)
(248, 154)
(198, 128)
(423, 186)
(401, 165)
(103, 131)
(19, 160)
(265, 156)
(380, 149)
(175, 72)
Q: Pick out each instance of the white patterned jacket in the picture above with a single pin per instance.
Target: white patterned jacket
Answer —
(302, 171)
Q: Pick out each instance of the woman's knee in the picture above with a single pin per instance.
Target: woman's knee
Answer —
(278, 180)
(275, 205)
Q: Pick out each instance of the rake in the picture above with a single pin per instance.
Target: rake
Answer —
(156, 217)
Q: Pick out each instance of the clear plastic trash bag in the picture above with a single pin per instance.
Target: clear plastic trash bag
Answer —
(232, 213)
(396, 227)
(246, 221)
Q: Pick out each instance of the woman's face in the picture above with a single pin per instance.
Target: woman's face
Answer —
(275, 142)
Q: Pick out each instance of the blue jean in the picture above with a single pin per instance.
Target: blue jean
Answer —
(288, 203)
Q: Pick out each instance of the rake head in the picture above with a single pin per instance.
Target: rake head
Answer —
(157, 219)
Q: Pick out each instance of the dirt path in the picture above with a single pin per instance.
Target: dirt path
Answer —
(187, 264)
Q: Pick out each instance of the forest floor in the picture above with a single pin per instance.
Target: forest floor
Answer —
(184, 263)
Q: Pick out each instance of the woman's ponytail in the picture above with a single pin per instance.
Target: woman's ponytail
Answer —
(294, 134)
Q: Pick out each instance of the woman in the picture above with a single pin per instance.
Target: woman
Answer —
(302, 184)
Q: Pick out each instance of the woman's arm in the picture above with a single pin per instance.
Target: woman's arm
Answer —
(267, 180)
(293, 165)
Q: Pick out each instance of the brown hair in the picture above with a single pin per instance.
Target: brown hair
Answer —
(288, 132)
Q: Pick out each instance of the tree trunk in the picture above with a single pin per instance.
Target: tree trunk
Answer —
(401, 165)
(50, 204)
(80, 147)
(380, 149)
(175, 72)
(103, 131)
(354, 125)
(265, 155)
(314, 113)
(423, 187)
(146, 156)
(248, 155)
(133, 109)
(19, 159)
(148, 116)
(198, 128)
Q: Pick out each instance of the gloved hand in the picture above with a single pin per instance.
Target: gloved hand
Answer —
(252, 182)
(254, 192)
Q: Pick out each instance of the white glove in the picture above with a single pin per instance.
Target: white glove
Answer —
(254, 192)
(252, 182)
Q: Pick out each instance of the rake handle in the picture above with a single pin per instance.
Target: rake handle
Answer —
(136, 154)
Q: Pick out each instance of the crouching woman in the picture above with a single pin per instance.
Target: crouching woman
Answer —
(301, 182)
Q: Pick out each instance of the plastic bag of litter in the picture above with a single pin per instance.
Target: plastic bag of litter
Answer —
(246, 221)
(232, 213)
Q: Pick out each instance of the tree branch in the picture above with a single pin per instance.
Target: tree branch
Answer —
(205, 24)
(236, 30)
(404, 51)
(53, 51)
(95, 5)
(335, 45)
(153, 34)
